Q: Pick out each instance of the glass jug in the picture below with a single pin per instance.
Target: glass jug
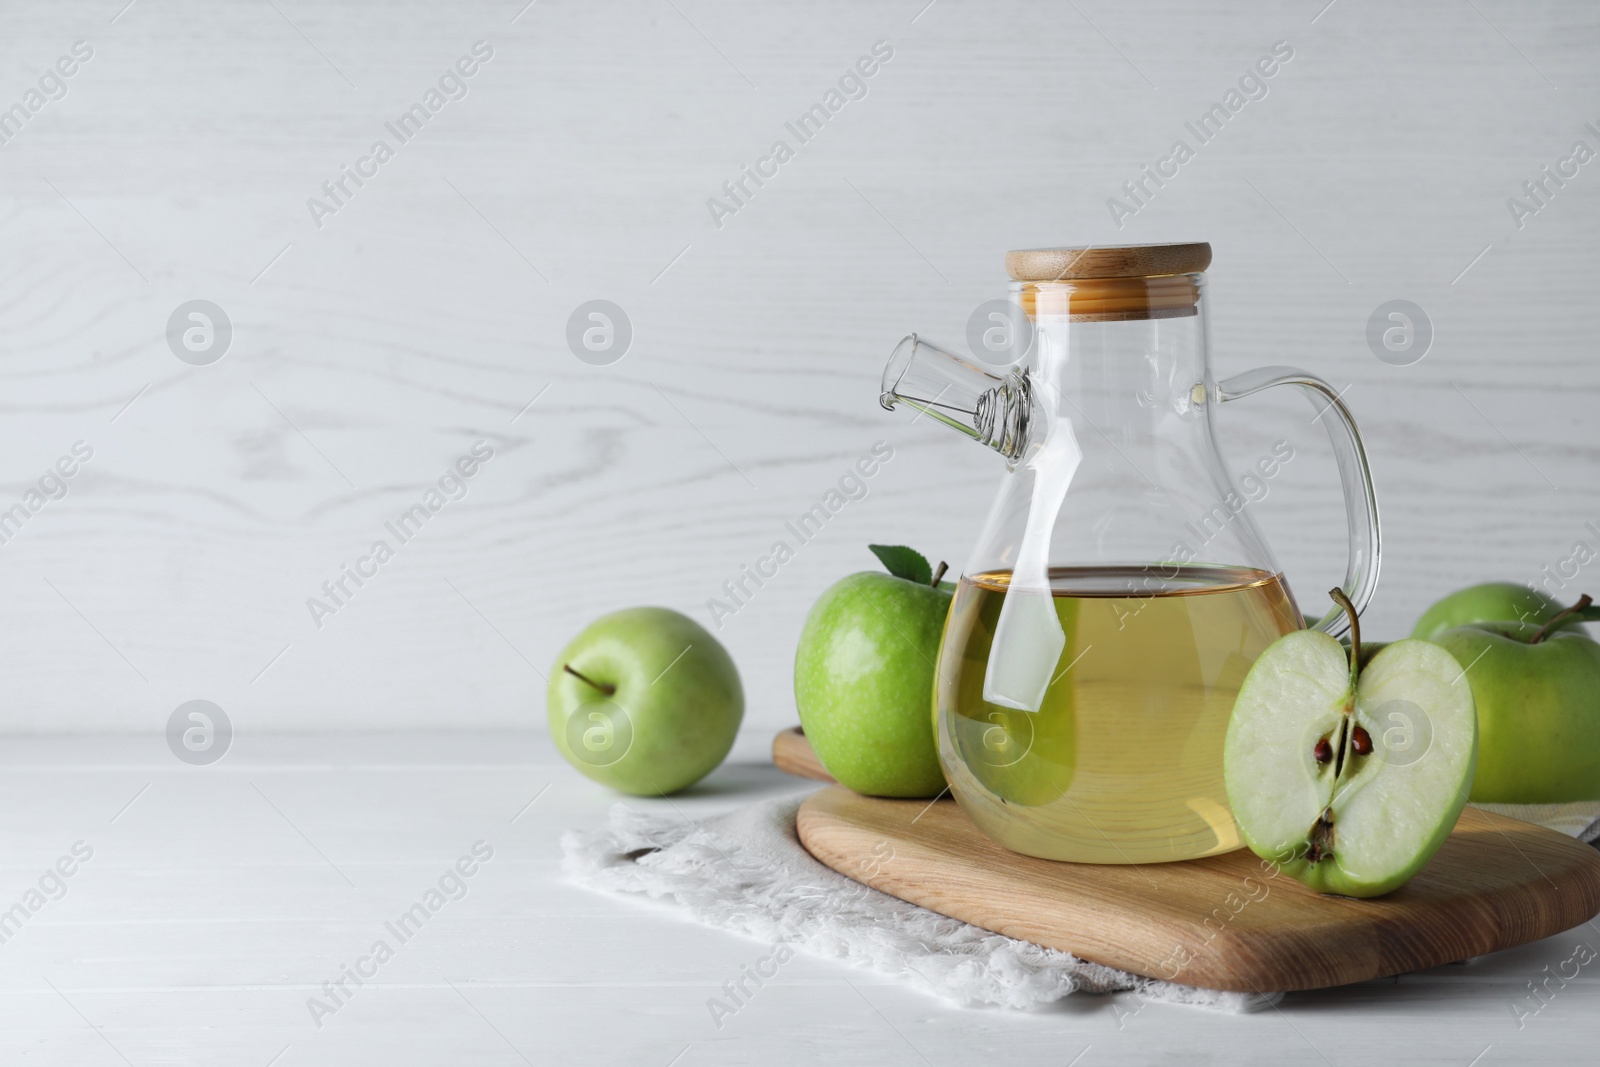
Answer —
(1120, 589)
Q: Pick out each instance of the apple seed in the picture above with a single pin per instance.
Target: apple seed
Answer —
(1361, 742)
(1323, 752)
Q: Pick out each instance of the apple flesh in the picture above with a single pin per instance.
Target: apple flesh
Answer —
(645, 701)
(863, 682)
(1350, 780)
(1538, 701)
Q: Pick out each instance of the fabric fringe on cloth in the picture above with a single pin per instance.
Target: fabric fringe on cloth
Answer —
(747, 872)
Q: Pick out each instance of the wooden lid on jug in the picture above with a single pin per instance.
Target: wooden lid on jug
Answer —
(1109, 284)
(1091, 261)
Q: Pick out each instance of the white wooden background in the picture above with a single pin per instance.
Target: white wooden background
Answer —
(432, 308)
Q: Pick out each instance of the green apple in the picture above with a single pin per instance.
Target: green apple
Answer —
(645, 701)
(1490, 602)
(1349, 777)
(863, 676)
(1537, 690)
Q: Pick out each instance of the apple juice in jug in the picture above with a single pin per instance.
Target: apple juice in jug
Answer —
(1117, 763)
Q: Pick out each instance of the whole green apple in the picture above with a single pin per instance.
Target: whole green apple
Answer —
(645, 701)
(1490, 602)
(1537, 689)
(863, 677)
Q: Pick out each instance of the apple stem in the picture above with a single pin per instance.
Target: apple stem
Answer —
(608, 690)
(943, 566)
(1343, 601)
(1556, 620)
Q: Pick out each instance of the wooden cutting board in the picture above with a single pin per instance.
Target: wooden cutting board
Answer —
(1223, 922)
(792, 754)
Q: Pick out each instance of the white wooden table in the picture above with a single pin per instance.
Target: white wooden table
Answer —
(219, 899)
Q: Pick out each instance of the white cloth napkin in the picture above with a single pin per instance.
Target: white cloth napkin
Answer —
(747, 872)
(1580, 820)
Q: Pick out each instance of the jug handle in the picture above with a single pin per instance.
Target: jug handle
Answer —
(1360, 500)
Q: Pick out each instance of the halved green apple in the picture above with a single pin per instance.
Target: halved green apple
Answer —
(1350, 774)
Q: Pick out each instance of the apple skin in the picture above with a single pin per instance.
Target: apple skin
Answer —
(863, 683)
(1490, 602)
(1538, 712)
(675, 721)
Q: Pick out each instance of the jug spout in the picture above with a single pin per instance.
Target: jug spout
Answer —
(994, 409)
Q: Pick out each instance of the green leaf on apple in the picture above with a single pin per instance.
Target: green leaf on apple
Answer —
(903, 562)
